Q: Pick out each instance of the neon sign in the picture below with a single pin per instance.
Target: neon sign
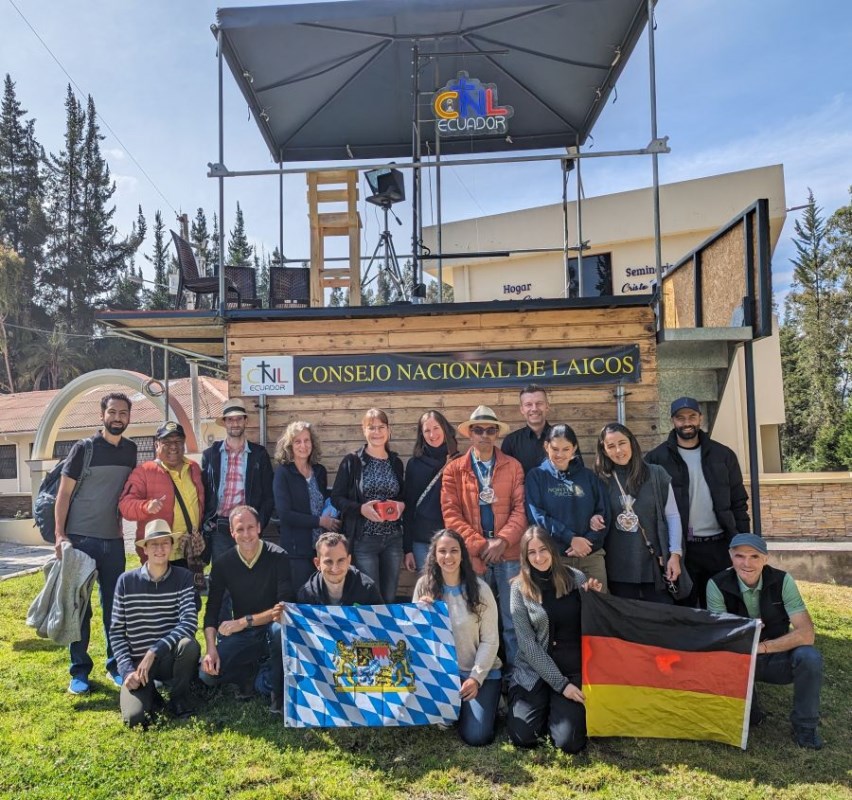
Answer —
(467, 106)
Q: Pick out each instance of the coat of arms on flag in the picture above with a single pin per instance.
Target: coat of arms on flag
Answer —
(653, 670)
(368, 666)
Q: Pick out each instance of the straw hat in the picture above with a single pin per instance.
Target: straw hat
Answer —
(156, 531)
(482, 415)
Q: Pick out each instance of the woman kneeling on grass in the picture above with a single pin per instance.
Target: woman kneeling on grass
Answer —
(545, 693)
(448, 575)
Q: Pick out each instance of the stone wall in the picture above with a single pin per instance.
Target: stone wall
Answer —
(807, 505)
(11, 504)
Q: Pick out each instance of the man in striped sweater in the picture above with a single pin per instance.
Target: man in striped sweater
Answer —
(154, 620)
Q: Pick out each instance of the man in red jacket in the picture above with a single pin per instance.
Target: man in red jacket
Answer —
(482, 499)
(153, 488)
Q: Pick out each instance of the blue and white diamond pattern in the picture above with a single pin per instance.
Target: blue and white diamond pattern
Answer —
(309, 642)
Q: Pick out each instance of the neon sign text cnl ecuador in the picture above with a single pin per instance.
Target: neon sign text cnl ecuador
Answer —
(467, 106)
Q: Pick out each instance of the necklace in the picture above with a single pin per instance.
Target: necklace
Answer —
(627, 520)
(485, 475)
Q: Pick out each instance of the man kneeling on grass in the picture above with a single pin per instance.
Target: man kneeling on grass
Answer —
(154, 620)
(751, 588)
(257, 578)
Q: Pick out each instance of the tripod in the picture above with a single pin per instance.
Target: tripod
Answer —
(389, 261)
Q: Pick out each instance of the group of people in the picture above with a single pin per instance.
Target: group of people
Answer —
(506, 537)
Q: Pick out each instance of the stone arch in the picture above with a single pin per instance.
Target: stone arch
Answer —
(58, 408)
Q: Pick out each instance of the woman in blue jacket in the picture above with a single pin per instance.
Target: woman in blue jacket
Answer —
(300, 486)
(570, 502)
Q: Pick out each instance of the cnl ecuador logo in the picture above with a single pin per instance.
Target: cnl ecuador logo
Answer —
(266, 375)
(467, 106)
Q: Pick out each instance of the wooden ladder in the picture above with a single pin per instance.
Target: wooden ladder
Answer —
(334, 187)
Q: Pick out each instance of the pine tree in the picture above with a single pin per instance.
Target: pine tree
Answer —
(239, 249)
(84, 255)
(261, 268)
(215, 239)
(200, 240)
(339, 297)
(158, 297)
(23, 227)
(816, 313)
(20, 179)
(432, 293)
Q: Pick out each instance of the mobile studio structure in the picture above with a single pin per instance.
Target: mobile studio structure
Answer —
(351, 86)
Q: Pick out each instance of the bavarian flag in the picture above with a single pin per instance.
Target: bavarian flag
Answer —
(653, 670)
(369, 665)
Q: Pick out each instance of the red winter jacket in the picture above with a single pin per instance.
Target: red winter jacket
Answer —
(150, 480)
(460, 505)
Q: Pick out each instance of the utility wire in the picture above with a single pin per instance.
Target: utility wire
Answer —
(50, 333)
(82, 96)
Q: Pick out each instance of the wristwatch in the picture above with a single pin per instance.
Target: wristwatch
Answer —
(249, 621)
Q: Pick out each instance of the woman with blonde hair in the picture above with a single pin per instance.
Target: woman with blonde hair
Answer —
(546, 693)
(368, 492)
(300, 486)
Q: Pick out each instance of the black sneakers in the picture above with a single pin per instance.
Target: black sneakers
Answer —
(807, 737)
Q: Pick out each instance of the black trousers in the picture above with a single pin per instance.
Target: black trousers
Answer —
(640, 591)
(539, 711)
(704, 560)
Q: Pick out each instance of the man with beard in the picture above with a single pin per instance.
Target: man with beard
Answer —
(708, 487)
(88, 519)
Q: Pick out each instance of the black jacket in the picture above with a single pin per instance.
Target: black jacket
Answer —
(347, 494)
(296, 523)
(776, 621)
(421, 522)
(358, 590)
(723, 475)
(258, 481)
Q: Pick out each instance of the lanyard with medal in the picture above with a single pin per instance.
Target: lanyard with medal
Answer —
(627, 520)
(485, 475)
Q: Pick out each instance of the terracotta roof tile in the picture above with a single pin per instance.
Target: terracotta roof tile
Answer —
(22, 412)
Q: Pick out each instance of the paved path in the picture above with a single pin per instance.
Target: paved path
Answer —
(22, 559)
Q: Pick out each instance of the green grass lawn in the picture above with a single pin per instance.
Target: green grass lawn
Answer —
(53, 745)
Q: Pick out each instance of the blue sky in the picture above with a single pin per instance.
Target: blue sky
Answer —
(741, 83)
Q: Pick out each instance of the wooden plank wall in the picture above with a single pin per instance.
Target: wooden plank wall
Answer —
(338, 417)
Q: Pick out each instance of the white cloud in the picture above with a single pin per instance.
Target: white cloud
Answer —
(114, 154)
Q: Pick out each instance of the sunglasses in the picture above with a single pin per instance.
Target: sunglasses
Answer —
(489, 431)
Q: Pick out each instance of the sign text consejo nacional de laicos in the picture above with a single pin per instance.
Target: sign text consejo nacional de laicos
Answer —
(435, 372)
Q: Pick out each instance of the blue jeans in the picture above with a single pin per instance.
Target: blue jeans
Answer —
(420, 550)
(380, 558)
(241, 653)
(801, 666)
(498, 577)
(476, 718)
(109, 559)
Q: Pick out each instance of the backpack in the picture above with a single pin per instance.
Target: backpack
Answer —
(45, 502)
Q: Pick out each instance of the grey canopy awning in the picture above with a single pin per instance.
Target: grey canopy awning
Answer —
(331, 81)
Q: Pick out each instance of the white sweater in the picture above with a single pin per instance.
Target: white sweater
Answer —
(477, 636)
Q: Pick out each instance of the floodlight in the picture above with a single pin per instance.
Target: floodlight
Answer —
(387, 185)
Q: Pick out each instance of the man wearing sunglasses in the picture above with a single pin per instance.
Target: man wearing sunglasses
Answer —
(482, 499)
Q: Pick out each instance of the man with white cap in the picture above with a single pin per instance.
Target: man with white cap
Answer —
(482, 499)
(235, 472)
(154, 620)
(708, 487)
(751, 588)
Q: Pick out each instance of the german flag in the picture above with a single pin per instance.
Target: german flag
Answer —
(652, 670)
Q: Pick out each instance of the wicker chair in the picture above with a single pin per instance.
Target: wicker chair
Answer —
(245, 280)
(189, 279)
(289, 287)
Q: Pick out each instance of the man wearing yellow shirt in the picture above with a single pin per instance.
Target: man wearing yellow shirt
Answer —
(169, 488)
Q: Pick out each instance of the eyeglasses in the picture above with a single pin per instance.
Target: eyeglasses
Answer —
(171, 445)
(492, 430)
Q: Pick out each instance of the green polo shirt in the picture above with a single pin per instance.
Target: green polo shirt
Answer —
(793, 603)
